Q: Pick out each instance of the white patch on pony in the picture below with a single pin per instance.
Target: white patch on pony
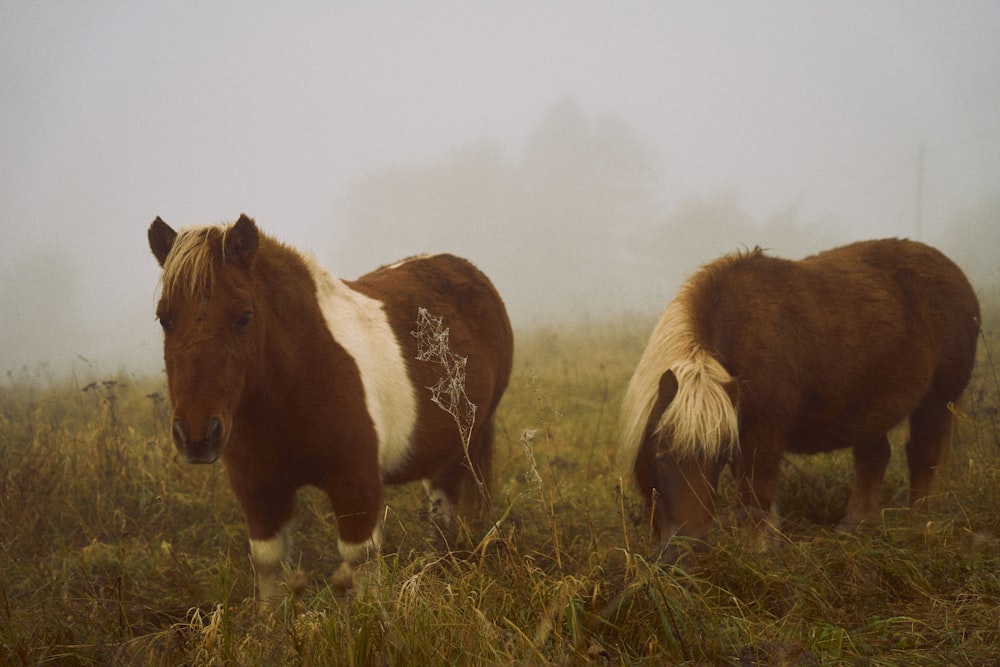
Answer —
(360, 324)
(356, 553)
(267, 556)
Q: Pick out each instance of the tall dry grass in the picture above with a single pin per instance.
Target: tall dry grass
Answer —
(113, 551)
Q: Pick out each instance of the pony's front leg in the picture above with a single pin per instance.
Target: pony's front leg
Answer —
(870, 462)
(757, 471)
(356, 555)
(268, 514)
(268, 556)
(359, 527)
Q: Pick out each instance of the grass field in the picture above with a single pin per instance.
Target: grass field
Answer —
(113, 551)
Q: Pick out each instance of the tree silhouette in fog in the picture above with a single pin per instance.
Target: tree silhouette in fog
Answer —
(573, 224)
(543, 224)
(700, 230)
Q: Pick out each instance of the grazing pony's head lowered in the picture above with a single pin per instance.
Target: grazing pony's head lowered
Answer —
(211, 336)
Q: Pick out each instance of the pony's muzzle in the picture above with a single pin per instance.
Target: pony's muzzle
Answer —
(206, 450)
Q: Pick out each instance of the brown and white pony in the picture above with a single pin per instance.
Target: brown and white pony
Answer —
(295, 378)
(758, 356)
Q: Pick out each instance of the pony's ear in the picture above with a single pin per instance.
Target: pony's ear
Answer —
(241, 241)
(733, 390)
(667, 391)
(161, 239)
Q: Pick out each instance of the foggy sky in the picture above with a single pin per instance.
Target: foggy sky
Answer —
(113, 114)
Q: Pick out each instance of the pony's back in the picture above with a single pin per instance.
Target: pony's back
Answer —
(853, 336)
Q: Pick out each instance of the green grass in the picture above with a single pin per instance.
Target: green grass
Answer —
(113, 551)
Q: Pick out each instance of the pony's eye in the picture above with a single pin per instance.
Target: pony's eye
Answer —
(243, 321)
(166, 323)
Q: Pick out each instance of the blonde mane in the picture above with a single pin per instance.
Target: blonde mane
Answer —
(190, 266)
(701, 420)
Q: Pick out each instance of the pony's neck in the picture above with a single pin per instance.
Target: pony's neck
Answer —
(295, 334)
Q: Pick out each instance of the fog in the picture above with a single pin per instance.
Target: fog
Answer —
(586, 155)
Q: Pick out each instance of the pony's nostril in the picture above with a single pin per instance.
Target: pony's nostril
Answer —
(214, 432)
(179, 436)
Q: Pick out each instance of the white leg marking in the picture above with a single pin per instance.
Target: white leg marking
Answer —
(268, 556)
(356, 553)
(442, 512)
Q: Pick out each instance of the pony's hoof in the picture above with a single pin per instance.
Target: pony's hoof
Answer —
(852, 524)
(343, 578)
(673, 550)
(761, 528)
(297, 582)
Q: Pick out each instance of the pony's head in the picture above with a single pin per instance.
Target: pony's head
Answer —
(680, 421)
(210, 334)
(692, 432)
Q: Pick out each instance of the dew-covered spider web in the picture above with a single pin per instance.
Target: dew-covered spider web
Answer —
(449, 392)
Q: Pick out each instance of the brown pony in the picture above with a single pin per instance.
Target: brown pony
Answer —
(758, 356)
(297, 378)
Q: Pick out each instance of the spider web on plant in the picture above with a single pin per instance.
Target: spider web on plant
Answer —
(449, 391)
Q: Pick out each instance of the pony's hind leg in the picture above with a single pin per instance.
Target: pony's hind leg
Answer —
(870, 461)
(463, 486)
(441, 504)
(443, 496)
(930, 430)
